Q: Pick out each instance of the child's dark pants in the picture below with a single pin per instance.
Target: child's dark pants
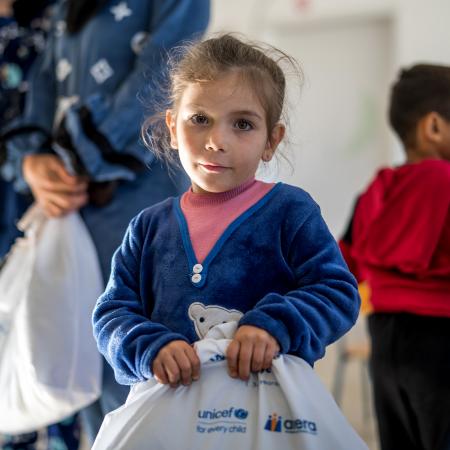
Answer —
(410, 368)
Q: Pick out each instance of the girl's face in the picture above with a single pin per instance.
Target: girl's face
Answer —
(221, 133)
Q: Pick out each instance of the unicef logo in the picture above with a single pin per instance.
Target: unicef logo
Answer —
(241, 414)
(218, 414)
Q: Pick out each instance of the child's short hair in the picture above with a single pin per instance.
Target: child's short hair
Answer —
(208, 60)
(419, 90)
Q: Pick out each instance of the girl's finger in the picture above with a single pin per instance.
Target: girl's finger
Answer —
(159, 372)
(244, 360)
(172, 370)
(184, 366)
(232, 358)
(259, 352)
(195, 363)
(269, 354)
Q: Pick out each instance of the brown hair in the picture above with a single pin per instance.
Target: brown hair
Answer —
(419, 90)
(205, 61)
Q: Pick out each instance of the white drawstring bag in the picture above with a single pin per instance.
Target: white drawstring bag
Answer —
(285, 408)
(49, 363)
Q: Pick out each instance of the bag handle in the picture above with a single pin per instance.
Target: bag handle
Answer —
(32, 220)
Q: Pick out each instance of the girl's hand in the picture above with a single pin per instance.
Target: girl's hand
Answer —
(176, 362)
(252, 349)
(54, 189)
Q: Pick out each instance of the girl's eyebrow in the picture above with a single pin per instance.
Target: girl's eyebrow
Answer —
(246, 112)
(194, 106)
(243, 112)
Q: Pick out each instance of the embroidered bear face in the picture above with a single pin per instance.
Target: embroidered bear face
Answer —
(207, 317)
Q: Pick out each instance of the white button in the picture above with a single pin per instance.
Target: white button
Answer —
(196, 278)
(197, 268)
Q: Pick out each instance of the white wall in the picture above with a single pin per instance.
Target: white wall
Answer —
(423, 31)
(350, 51)
(338, 131)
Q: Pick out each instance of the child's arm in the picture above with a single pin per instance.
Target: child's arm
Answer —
(127, 338)
(325, 303)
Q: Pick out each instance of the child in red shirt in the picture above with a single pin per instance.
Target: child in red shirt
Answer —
(399, 243)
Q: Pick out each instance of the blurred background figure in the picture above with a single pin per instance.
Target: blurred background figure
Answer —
(24, 27)
(23, 30)
(76, 146)
(399, 242)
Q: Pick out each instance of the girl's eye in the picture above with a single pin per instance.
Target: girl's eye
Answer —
(199, 119)
(243, 124)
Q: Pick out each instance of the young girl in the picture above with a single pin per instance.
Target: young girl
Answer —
(232, 247)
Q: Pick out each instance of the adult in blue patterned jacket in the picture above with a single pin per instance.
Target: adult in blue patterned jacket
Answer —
(101, 56)
(23, 29)
(231, 248)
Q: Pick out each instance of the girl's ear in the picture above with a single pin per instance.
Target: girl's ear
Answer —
(171, 123)
(276, 136)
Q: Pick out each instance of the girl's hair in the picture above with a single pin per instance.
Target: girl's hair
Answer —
(202, 62)
(419, 90)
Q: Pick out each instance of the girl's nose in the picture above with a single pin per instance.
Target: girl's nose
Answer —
(216, 140)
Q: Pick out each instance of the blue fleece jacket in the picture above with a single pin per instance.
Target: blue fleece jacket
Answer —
(276, 267)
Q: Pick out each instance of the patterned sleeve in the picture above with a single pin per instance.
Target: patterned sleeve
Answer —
(38, 114)
(172, 22)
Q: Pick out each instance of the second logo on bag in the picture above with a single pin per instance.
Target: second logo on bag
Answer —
(276, 423)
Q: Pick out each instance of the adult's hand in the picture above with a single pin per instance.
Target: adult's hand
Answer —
(53, 188)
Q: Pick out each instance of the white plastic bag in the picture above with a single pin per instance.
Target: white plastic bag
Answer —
(285, 408)
(49, 363)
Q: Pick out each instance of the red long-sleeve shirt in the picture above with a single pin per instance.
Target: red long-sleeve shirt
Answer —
(400, 239)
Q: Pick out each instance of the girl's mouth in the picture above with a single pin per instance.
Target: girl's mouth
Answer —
(213, 168)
